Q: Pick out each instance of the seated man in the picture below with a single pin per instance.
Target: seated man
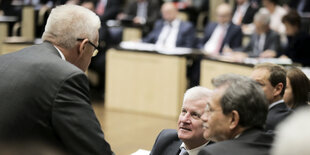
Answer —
(272, 79)
(224, 32)
(171, 31)
(244, 12)
(189, 136)
(264, 43)
(234, 118)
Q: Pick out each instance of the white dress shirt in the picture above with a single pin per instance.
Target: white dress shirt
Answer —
(194, 151)
(61, 55)
(168, 35)
(240, 12)
(212, 46)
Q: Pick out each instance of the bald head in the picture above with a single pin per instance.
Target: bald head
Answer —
(223, 13)
(169, 11)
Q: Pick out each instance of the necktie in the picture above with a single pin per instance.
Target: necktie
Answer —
(256, 46)
(183, 151)
(167, 34)
(100, 8)
(220, 41)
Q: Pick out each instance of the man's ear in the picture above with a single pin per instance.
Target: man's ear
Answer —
(278, 89)
(234, 119)
(82, 47)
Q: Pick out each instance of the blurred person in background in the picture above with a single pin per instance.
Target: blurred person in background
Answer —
(221, 33)
(293, 136)
(298, 45)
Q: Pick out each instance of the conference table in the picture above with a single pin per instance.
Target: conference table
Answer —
(144, 79)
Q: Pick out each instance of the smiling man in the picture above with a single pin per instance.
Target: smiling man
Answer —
(234, 118)
(188, 139)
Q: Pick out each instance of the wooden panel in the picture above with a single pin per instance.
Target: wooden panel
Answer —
(211, 69)
(146, 83)
(3, 34)
(28, 22)
(131, 34)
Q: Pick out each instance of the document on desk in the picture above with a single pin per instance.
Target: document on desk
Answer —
(140, 46)
(132, 45)
(141, 152)
(270, 60)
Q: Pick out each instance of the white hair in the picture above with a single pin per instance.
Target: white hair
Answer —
(293, 136)
(197, 93)
(66, 23)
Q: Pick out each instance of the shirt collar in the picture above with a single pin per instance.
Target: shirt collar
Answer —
(175, 22)
(194, 151)
(61, 54)
(275, 103)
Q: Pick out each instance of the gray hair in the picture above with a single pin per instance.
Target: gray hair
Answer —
(66, 23)
(197, 93)
(293, 136)
(245, 96)
(262, 17)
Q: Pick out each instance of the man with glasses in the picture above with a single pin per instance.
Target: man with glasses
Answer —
(234, 118)
(44, 90)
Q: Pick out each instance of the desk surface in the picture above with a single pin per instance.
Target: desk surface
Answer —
(6, 19)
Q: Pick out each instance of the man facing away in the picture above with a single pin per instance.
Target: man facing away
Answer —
(272, 79)
(188, 138)
(234, 118)
(44, 90)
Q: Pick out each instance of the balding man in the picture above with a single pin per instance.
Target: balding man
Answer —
(171, 31)
(224, 32)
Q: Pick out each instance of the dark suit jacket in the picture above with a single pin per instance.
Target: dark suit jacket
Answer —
(298, 48)
(250, 142)
(272, 42)
(233, 37)
(294, 4)
(249, 14)
(112, 8)
(167, 143)
(185, 38)
(44, 98)
(152, 11)
(275, 115)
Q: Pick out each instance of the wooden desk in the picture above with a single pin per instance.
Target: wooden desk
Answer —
(4, 28)
(145, 82)
(212, 68)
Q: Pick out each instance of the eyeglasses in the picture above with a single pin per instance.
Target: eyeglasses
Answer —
(92, 44)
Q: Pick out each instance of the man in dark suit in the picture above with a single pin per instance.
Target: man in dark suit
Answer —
(234, 118)
(188, 138)
(272, 78)
(141, 12)
(224, 32)
(171, 31)
(244, 12)
(264, 42)
(44, 90)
